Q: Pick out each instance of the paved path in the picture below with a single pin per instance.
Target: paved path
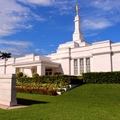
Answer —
(11, 107)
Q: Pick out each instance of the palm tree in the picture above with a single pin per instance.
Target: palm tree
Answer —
(5, 56)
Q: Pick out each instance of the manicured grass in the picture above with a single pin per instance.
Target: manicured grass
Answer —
(86, 102)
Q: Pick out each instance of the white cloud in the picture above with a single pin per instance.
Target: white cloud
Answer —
(17, 48)
(65, 6)
(11, 15)
(97, 16)
(37, 50)
(37, 2)
(16, 43)
(42, 51)
(106, 4)
(95, 24)
(20, 48)
(15, 51)
(14, 17)
(91, 34)
(100, 14)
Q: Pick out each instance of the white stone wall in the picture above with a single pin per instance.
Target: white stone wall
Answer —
(115, 56)
(27, 72)
(8, 90)
(116, 61)
(41, 69)
(101, 63)
(101, 56)
(2, 69)
(10, 69)
(65, 64)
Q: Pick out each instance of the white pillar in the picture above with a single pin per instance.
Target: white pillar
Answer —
(72, 66)
(78, 66)
(41, 69)
(84, 65)
(14, 70)
(8, 89)
(5, 66)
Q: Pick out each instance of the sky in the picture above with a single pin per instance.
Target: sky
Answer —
(39, 26)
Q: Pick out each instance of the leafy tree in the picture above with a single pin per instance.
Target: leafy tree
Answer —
(5, 55)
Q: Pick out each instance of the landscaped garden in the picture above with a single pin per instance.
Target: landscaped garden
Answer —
(86, 102)
(49, 85)
(97, 99)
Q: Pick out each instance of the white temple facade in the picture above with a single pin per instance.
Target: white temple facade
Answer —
(72, 58)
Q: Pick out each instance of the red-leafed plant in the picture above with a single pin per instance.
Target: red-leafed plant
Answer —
(36, 91)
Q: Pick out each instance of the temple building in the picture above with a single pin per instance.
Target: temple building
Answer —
(72, 58)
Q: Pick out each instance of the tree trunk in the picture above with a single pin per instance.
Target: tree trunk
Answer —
(5, 67)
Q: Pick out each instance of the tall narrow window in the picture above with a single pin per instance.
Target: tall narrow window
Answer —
(81, 65)
(87, 64)
(75, 67)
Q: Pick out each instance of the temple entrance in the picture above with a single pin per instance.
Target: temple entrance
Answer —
(48, 72)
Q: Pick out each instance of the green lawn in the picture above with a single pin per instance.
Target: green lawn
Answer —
(86, 102)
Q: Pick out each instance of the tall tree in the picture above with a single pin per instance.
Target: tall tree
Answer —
(5, 56)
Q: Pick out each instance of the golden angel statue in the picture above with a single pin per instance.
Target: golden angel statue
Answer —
(77, 8)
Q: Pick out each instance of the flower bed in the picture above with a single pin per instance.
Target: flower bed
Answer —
(48, 85)
(36, 91)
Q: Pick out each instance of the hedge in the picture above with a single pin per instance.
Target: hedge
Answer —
(101, 77)
(57, 79)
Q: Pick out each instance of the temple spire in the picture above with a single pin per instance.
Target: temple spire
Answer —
(77, 35)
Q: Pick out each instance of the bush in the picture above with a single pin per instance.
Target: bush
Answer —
(57, 80)
(35, 75)
(101, 77)
(19, 74)
(77, 80)
(57, 73)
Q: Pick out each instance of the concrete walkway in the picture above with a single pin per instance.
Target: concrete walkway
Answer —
(11, 107)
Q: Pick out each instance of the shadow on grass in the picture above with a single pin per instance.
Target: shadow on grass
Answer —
(29, 102)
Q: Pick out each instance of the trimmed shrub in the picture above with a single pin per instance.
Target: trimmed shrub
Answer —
(19, 74)
(76, 80)
(57, 73)
(35, 75)
(102, 77)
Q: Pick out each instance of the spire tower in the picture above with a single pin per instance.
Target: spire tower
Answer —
(77, 35)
